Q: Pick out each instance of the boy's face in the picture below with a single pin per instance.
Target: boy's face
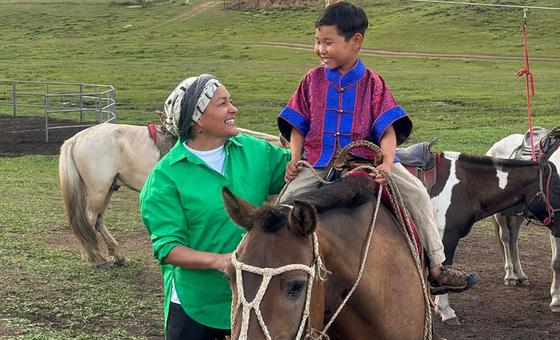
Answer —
(334, 51)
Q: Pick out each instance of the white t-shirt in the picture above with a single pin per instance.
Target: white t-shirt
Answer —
(215, 159)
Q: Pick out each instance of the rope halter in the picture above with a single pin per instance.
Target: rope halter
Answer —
(267, 274)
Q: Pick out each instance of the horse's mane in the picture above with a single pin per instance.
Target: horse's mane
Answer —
(492, 161)
(348, 192)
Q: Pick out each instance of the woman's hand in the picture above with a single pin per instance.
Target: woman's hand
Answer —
(221, 262)
(292, 170)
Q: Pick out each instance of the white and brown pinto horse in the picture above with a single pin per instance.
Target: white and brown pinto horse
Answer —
(469, 188)
(509, 227)
(95, 162)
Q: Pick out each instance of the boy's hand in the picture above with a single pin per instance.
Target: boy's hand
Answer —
(386, 167)
(291, 170)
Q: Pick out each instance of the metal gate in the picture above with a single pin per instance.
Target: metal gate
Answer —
(85, 104)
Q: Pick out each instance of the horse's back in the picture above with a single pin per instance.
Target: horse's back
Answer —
(106, 151)
(389, 302)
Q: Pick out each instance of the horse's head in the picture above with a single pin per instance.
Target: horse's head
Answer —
(272, 269)
(546, 204)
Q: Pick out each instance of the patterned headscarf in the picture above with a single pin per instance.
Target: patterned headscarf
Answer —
(185, 104)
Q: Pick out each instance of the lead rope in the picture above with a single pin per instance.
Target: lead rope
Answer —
(316, 334)
(529, 81)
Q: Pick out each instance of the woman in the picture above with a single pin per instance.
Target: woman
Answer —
(182, 207)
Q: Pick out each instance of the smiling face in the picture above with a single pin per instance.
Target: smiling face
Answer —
(334, 51)
(218, 119)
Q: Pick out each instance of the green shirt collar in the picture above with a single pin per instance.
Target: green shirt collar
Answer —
(178, 151)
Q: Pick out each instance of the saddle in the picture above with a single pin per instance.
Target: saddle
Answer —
(420, 161)
(349, 159)
(545, 142)
(523, 151)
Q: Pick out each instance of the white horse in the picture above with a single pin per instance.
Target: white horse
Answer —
(509, 231)
(94, 163)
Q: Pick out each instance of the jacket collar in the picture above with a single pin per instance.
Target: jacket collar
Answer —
(350, 78)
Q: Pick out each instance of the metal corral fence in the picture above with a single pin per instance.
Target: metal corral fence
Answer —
(87, 104)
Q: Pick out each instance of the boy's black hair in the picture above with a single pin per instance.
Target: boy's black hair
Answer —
(346, 17)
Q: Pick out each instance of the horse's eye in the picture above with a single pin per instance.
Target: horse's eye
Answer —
(295, 288)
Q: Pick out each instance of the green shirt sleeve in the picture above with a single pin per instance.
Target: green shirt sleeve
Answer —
(162, 213)
(277, 160)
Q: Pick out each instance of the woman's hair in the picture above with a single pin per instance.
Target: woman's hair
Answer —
(346, 17)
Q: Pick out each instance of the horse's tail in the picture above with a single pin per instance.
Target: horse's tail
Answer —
(75, 200)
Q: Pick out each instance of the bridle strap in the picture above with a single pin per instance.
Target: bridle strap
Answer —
(267, 274)
(544, 194)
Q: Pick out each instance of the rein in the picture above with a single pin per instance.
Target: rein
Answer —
(317, 263)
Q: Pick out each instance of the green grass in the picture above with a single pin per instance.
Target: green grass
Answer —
(48, 292)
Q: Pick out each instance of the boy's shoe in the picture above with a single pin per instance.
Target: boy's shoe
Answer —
(452, 281)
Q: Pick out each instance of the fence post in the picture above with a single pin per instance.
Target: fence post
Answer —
(81, 103)
(14, 106)
(99, 108)
(46, 105)
(113, 105)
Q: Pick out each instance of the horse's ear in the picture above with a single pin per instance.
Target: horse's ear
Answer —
(238, 209)
(303, 219)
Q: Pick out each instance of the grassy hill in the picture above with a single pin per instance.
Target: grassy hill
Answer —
(145, 52)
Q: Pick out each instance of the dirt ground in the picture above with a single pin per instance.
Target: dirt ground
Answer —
(489, 311)
(26, 135)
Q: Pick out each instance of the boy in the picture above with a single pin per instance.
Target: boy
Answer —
(341, 101)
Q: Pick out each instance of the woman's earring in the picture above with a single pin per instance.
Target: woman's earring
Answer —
(200, 131)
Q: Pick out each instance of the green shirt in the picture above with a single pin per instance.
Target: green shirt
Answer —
(181, 204)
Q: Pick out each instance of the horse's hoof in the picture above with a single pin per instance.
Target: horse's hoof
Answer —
(452, 322)
(523, 282)
(510, 282)
(120, 262)
(555, 309)
(104, 266)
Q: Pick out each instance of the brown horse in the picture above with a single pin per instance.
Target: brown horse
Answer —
(389, 302)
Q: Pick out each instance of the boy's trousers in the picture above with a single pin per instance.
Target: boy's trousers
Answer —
(414, 195)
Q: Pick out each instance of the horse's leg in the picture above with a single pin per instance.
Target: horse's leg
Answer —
(91, 251)
(555, 287)
(96, 202)
(514, 226)
(502, 222)
(447, 314)
(112, 244)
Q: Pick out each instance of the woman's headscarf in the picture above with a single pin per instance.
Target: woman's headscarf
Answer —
(185, 104)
